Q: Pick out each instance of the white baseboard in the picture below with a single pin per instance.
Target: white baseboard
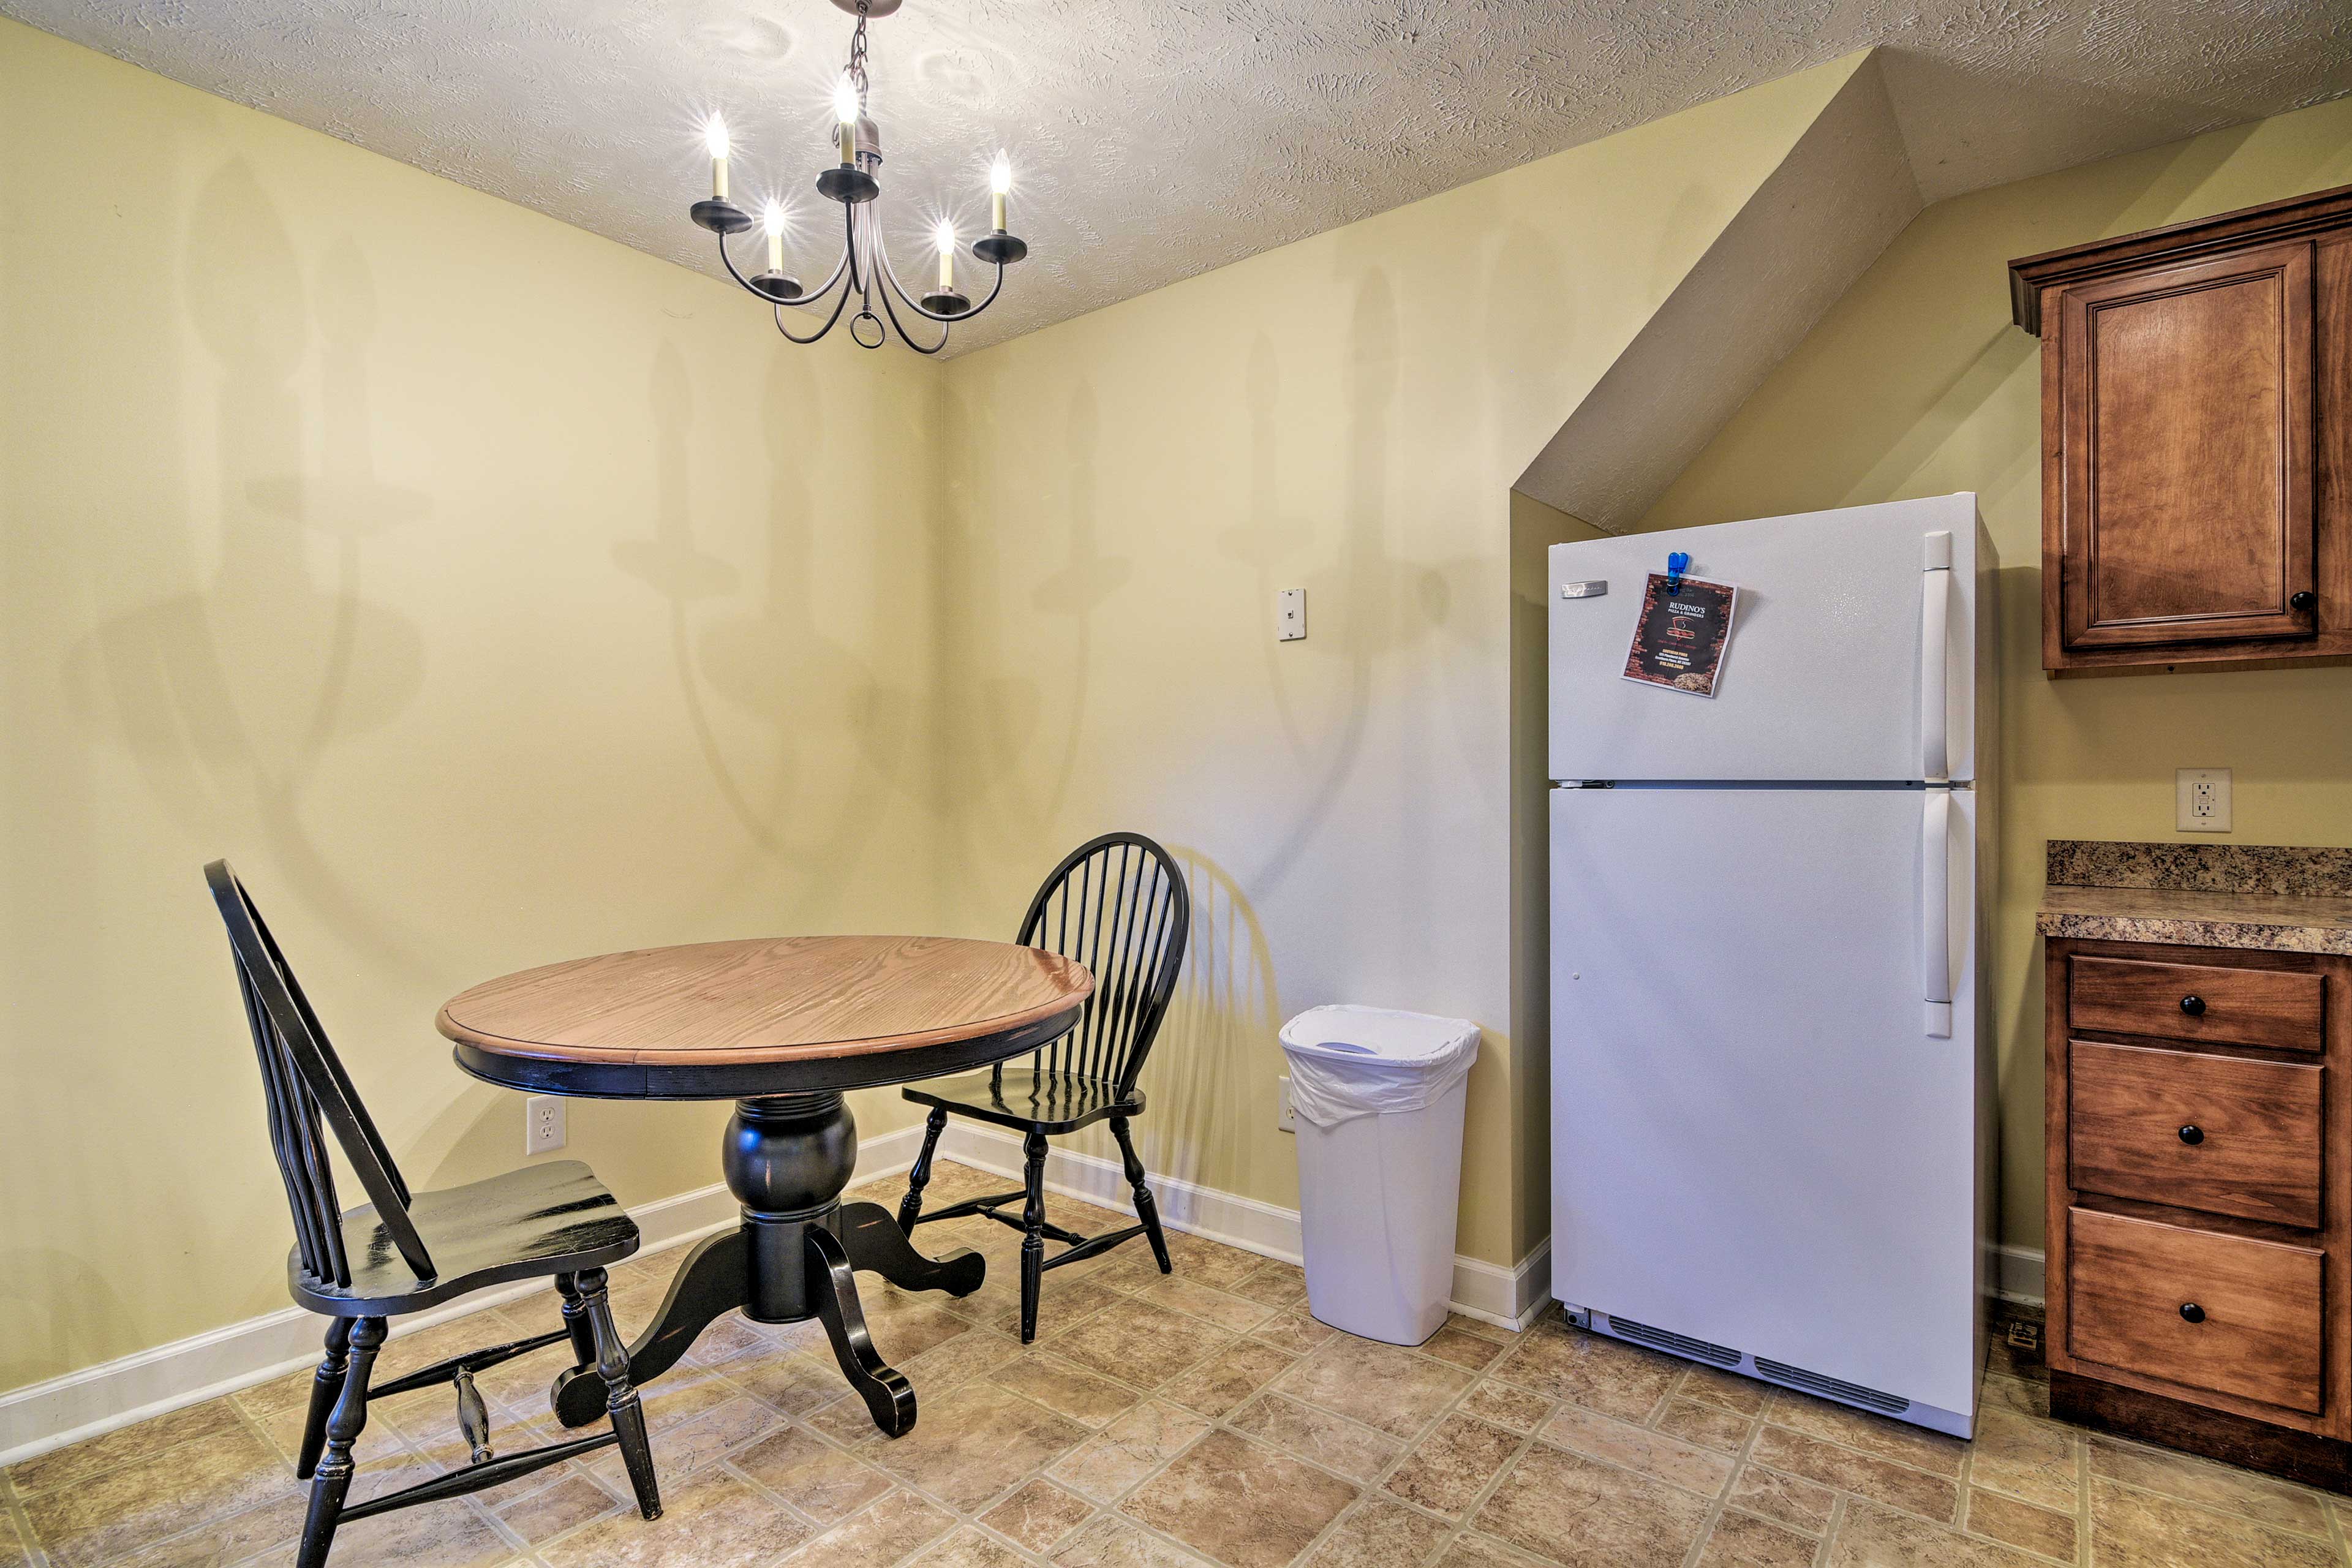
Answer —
(1486, 1291)
(2017, 1274)
(82, 1404)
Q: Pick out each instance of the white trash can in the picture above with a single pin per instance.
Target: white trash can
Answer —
(1379, 1096)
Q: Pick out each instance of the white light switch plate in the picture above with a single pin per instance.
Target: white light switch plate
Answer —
(1287, 1117)
(2201, 799)
(1290, 615)
(542, 1124)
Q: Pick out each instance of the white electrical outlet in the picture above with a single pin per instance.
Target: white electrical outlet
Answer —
(1287, 1117)
(1290, 615)
(2201, 799)
(542, 1124)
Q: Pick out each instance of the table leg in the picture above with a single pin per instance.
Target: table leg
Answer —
(786, 1159)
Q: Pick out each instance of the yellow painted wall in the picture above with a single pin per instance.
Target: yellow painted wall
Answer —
(1917, 385)
(1127, 492)
(463, 577)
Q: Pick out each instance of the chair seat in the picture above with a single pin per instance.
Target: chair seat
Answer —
(534, 1223)
(1024, 1098)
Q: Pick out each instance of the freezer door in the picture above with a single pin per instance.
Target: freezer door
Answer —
(1760, 1136)
(1848, 626)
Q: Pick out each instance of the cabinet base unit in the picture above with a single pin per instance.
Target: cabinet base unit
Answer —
(2305, 1457)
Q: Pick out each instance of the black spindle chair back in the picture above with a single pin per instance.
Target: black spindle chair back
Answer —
(1118, 905)
(304, 1086)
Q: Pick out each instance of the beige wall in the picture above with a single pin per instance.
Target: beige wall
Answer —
(466, 581)
(1917, 385)
(1346, 415)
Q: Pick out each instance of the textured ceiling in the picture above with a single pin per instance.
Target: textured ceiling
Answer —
(1155, 140)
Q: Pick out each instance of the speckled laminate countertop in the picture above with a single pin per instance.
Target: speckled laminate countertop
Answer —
(2280, 899)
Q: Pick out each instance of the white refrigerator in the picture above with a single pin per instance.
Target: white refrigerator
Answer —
(1770, 1079)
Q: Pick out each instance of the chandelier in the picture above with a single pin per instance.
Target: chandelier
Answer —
(864, 273)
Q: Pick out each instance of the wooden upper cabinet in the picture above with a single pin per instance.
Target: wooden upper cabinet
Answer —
(2196, 384)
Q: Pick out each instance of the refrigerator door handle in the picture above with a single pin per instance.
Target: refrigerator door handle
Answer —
(1935, 910)
(1935, 622)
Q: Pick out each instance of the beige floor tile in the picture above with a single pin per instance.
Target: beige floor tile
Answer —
(1729, 1389)
(548, 1512)
(684, 1448)
(811, 1475)
(2037, 1461)
(435, 1535)
(176, 1489)
(1229, 1377)
(1240, 1502)
(1038, 1515)
(1709, 1425)
(1787, 1498)
(906, 1323)
(1275, 1283)
(1899, 1486)
(1062, 1385)
(1670, 1459)
(1063, 1306)
(1114, 1543)
(2132, 1529)
(1292, 1329)
(1470, 1549)
(1128, 1449)
(1396, 1390)
(1576, 1511)
(1865, 1433)
(275, 1523)
(977, 1441)
(1473, 1352)
(711, 1520)
(967, 1548)
(81, 1462)
(1354, 1450)
(1453, 1465)
(1179, 1292)
(1743, 1540)
(1506, 1406)
(2017, 1396)
(886, 1533)
(1377, 1534)
(2021, 1524)
(1209, 1263)
(1874, 1537)
(1140, 1343)
(960, 1360)
(796, 1384)
(1481, 1328)
(1603, 1374)
(2257, 1498)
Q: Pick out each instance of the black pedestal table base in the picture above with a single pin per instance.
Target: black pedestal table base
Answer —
(787, 1158)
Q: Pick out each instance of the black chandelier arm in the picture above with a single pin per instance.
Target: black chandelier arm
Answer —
(891, 275)
(892, 311)
(790, 336)
(811, 297)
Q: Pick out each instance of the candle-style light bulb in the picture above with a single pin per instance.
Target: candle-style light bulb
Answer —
(714, 138)
(846, 110)
(774, 220)
(999, 180)
(945, 237)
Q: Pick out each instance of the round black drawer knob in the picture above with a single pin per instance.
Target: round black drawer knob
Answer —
(2192, 1134)
(2307, 600)
(2193, 1005)
(2192, 1311)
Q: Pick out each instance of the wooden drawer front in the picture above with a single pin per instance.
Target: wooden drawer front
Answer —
(2127, 1279)
(2255, 1127)
(2203, 1002)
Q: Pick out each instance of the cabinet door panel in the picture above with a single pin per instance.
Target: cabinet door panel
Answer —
(2188, 482)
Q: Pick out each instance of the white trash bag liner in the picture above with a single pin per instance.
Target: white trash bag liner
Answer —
(1348, 1062)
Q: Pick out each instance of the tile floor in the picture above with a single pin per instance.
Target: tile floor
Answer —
(1160, 1423)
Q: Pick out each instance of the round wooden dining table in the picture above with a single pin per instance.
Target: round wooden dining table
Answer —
(782, 1026)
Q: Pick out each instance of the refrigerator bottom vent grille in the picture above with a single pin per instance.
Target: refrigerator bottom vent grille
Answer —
(1667, 1339)
(1836, 1388)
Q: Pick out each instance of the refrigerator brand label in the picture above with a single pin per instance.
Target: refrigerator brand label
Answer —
(1679, 640)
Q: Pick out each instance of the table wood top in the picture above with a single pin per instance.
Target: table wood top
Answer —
(783, 1000)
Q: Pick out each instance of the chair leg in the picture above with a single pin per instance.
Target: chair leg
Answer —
(1145, 1210)
(620, 1400)
(911, 1206)
(575, 1318)
(324, 1388)
(332, 1482)
(1032, 1244)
